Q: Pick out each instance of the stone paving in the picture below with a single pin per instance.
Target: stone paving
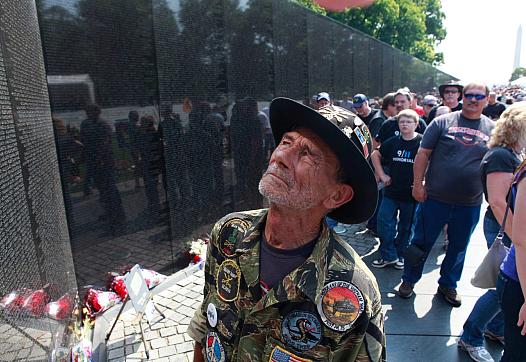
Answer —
(166, 337)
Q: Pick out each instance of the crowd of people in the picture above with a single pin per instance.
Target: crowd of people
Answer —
(434, 158)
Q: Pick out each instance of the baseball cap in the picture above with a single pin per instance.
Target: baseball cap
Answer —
(358, 100)
(323, 95)
(430, 100)
(350, 140)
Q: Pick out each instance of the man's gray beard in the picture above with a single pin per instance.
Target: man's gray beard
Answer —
(284, 198)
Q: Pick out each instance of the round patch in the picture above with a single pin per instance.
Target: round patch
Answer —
(231, 232)
(214, 349)
(228, 279)
(211, 314)
(301, 330)
(340, 305)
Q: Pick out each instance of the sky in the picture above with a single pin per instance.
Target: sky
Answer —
(481, 38)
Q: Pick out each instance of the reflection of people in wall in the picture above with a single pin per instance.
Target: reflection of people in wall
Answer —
(214, 128)
(175, 155)
(201, 159)
(133, 129)
(96, 136)
(247, 152)
(69, 154)
(150, 151)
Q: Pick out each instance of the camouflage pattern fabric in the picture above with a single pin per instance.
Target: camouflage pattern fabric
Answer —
(328, 309)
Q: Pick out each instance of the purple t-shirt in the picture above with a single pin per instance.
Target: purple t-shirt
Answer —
(508, 266)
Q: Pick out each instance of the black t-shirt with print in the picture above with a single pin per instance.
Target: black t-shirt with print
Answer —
(497, 159)
(399, 156)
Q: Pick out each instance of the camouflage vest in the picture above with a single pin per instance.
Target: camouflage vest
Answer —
(328, 309)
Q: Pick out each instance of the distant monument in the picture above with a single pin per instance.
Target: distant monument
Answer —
(517, 59)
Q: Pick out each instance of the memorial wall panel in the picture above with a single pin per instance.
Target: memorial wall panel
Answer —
(102, 53)
(35, 251)
(343, 61)
(289, 24)
(321, 57)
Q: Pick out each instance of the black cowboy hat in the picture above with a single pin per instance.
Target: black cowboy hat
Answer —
(349, 139)
(451, 83)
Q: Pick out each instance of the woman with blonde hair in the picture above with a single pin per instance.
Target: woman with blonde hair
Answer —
(511, 284)
(506, 148)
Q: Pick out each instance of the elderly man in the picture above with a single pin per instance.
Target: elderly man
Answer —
(451, 193)
(280, 286)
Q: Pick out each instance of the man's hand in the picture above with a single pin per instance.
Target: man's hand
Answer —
(386, 179)
(419, 192)
(522, 319)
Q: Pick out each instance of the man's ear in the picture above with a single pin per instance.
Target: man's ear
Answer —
(341, 194)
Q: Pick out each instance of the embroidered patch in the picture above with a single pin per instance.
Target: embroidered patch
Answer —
(211, 314)
(214, 349)
(340, 305)
(363, 141)
(231, 232)
(279, 354)
(348, 131)
(228, 280)
(301, 330)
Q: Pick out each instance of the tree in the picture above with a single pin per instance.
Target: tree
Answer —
(413, 26)
(517, 73)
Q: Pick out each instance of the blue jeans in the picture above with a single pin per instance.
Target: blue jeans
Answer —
(431, 216)
(486, 314)
(394, 231)
(511, 299)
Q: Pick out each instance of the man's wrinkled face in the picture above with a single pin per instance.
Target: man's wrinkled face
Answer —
(401, 103)
(302, 171)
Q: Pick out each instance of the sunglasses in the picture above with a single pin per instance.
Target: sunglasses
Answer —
(451, 91)
(478, 97)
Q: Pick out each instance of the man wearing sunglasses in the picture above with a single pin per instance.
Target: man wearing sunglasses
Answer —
(449, 157)
(451, 94)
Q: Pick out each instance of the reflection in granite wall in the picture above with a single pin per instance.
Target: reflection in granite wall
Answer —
(162, 110)
(35, 255)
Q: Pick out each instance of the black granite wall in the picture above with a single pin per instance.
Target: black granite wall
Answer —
(35, 254)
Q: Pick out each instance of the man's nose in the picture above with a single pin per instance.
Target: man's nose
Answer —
(285, 156)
